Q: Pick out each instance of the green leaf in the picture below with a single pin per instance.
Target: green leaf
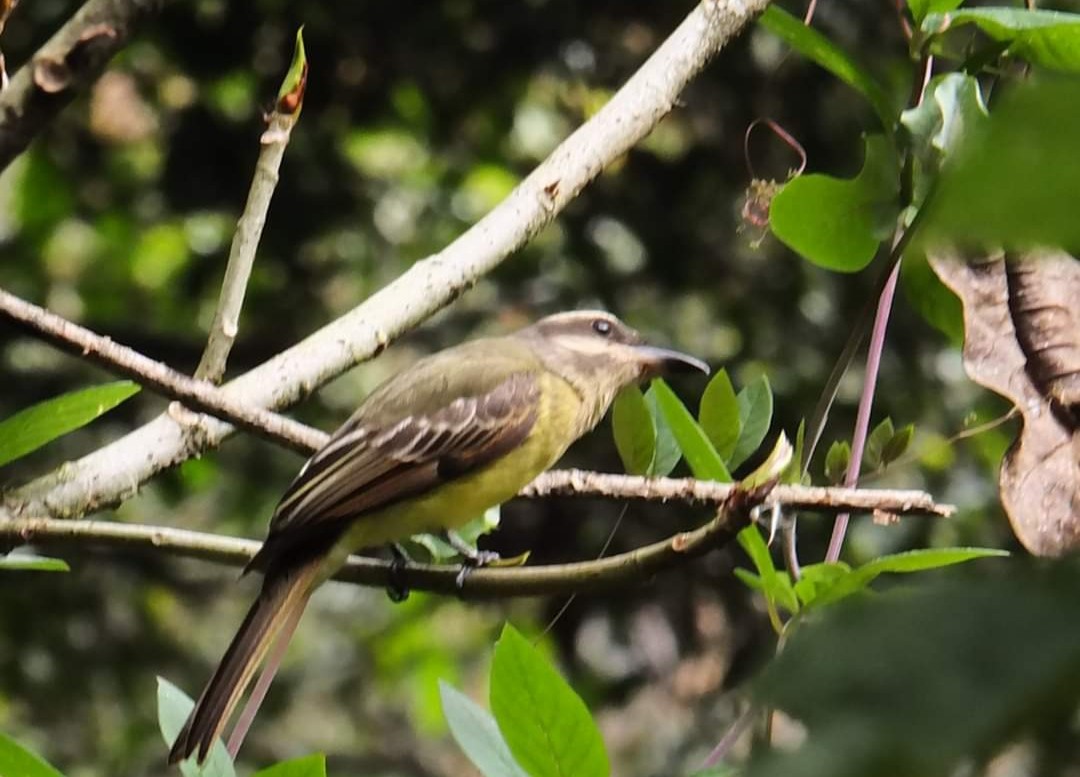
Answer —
(816, 578)
(32, 563)
(173, 708)
(700, 455)
(18, 761)
(774, 584)
(546, 725)
(42, 423)
(839, 223)
(934, 301)
(440, 550)
(794, 473)
(819, 49)
(837, 461)
(933, 678)
(1050, 39)
(477, 734)
(668, 453)
(291, 93)
(876, 442)
(305, 766)
(774, 466)
(1015, 180)
(634, 430)
(910, 561)
(719, 414)
(920, 8)
(755, 417)
(897, 445)
(952, 108)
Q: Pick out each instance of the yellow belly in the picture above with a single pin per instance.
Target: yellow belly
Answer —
(457, 502)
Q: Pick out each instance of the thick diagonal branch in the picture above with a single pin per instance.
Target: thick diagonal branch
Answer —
(114, 471)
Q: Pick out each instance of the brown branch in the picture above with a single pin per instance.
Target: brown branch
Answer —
(203, 396)
(154, 375)
(614, 571)
(248, 231)
(68, 62)
(576, 482)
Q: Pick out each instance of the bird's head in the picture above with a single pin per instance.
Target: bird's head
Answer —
(600, 355)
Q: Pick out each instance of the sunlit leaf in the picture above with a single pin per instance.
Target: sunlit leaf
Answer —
(839, 223)
(837, 461)
(705, 463)
(920, 8)
(876, 441)
(774, 466)
(42, 423)
(1050, 39)
(919, 560)
(32, 563)
(546, 725)
(18, 761)
(305, 766)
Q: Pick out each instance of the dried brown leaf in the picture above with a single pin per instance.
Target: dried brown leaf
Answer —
(1040, 476)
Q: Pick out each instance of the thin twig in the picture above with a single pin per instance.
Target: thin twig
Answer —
(69, 61)
(113, 472)
(197, 394)
(576, 482)
(246, 238)
(305, 439)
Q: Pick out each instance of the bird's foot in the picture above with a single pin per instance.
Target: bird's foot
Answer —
(472, 556)
(397, 587)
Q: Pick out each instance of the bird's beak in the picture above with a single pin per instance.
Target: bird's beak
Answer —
(661, 361)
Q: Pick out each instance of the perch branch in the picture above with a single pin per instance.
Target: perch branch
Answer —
(607, 573)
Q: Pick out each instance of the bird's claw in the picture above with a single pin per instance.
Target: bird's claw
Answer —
(397, 587)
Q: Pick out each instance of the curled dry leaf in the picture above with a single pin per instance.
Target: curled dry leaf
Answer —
(1022, 340)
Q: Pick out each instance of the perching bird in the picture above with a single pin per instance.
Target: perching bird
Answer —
(433, 447)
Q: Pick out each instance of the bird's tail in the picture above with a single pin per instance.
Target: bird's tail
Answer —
(283, 595)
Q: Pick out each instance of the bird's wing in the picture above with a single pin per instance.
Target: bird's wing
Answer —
(366, 466)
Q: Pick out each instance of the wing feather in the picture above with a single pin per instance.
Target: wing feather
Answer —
(364, 468)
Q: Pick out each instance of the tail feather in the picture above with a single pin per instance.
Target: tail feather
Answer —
(282, 595)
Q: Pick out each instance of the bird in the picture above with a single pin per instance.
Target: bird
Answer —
(431, 448)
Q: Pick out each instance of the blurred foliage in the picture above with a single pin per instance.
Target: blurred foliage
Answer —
(416, 121)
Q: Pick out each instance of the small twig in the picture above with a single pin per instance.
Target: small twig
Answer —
(70, 60)
(154, 375)
(576, 482)
(249, 229)
(305, 440)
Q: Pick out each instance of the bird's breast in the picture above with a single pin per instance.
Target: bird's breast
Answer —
(559, 422)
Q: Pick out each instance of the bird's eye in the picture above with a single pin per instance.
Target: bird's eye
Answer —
(602, 327)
